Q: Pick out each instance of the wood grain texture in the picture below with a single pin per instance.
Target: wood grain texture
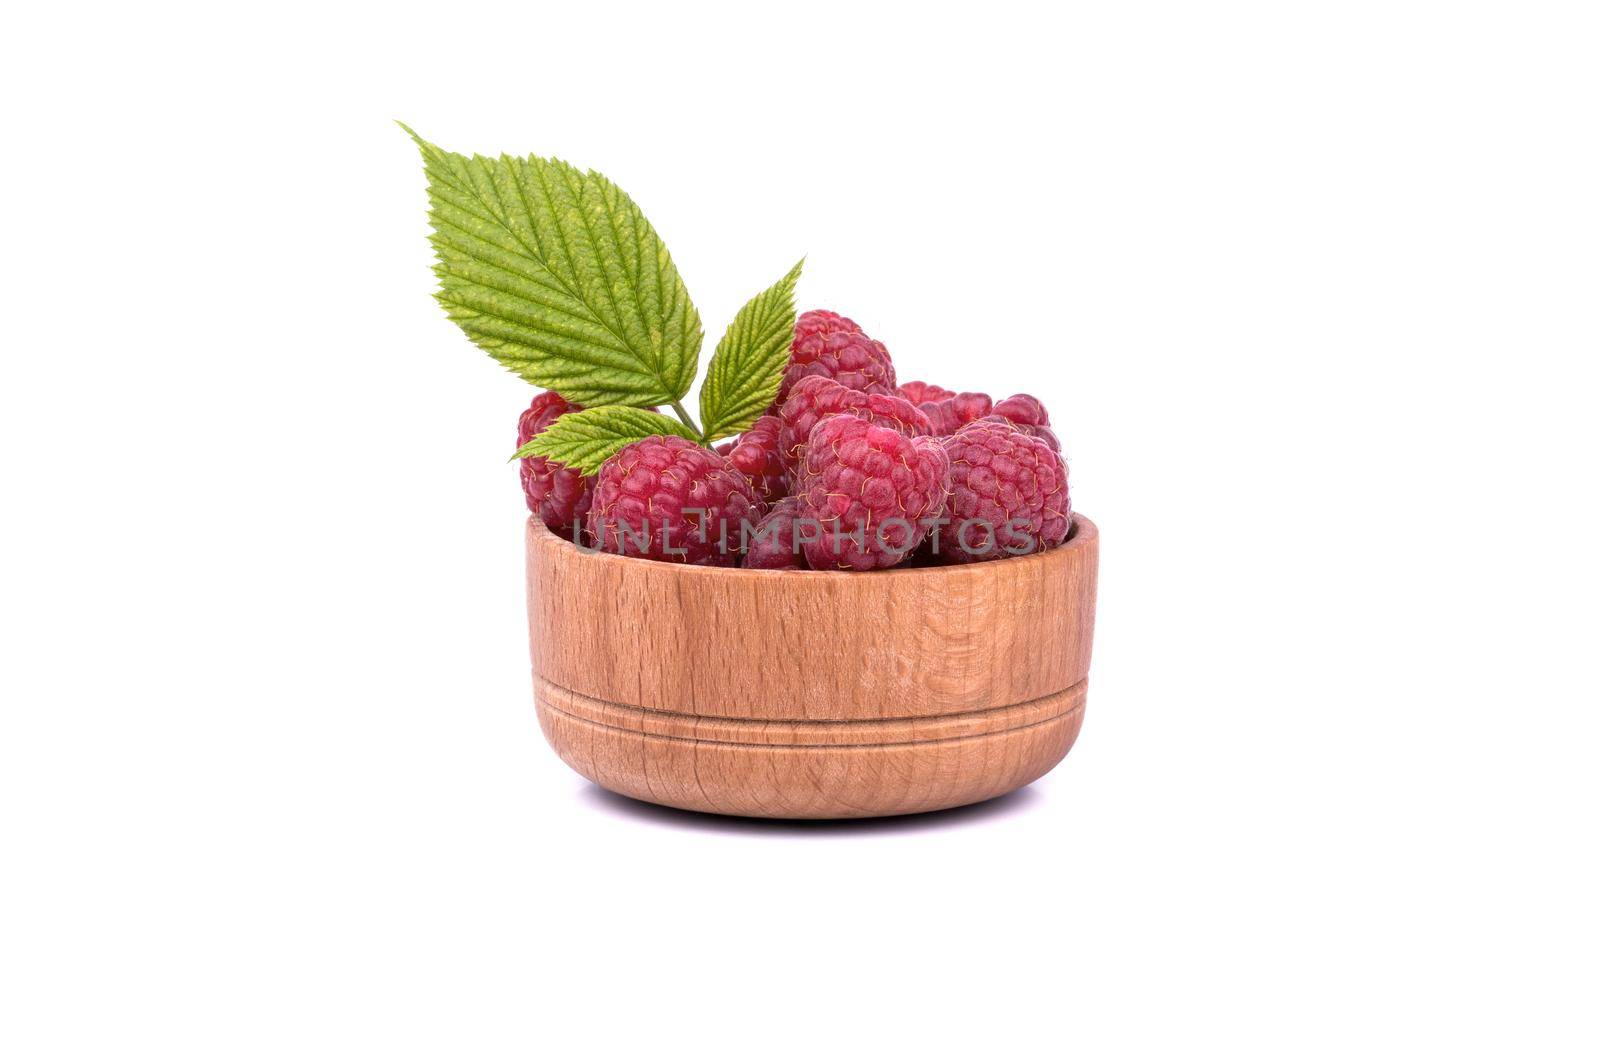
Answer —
(811, 694)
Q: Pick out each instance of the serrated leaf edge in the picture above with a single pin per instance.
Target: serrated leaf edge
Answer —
(765, 320)
(518, 316)
(584, 439)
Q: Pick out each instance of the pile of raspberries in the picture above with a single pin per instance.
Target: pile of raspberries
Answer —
(846, 470)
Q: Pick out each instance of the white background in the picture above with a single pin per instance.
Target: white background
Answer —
(1310, 291)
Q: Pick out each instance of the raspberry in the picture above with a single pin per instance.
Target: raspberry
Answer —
(772, 544)
(948, 415)
(756, 454)
(1035, 430)
(916, 392)
(1028, 414)
(1022, 409)
(668, 499)
(872, 492)
(1008, 494)
(556, 494)
(814, 398)
(831, 345)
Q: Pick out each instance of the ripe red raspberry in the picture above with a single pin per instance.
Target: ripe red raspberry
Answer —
(756, 454)
(1022, 409)
(1028, 414)
(1037, 431)
(831, 345)
(816, 397)
(948, 415)
(772, 544)
(556, 494)
(1008, 494)
(668, 499)
(871, 491)
(916, 392)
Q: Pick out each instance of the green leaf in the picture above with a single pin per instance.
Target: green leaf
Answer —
(748, 365)
(585, 439)
(556, 273)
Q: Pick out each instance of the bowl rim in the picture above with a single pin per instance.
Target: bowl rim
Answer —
(1080, 536)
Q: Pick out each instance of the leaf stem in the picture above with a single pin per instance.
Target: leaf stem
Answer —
(683, 415)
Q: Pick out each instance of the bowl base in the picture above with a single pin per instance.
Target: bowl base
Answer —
(812, 769)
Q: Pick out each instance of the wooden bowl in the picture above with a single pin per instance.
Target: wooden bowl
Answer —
(810, 695)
